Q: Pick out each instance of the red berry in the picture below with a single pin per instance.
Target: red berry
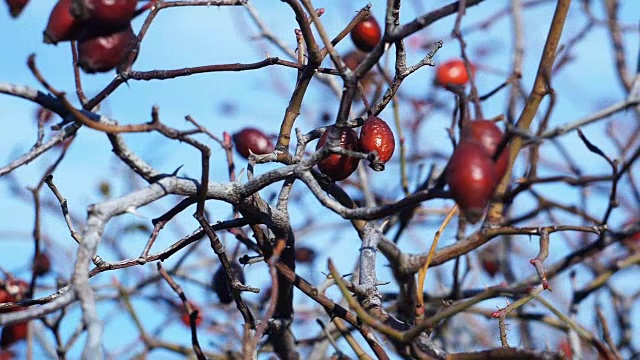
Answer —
(62, 25)
(16, 6)
(5, 297)
(305, 255)
(12, 334)
(105, 13)
(565, 348)
(471, 175)
(104, 53)
(369, 80)
(453, 72)
(252, 140)
(489, 136)
(377, 135)
(336, 166)
(220, 284)
(184, 317)
(353, 58)
(490, 260)
(41, 264)
(366, 34)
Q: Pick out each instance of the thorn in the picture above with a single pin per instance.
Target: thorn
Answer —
(132, 210)
(175, 172)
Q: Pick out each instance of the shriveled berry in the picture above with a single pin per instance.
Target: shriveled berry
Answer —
(41, 264)
(105, 53)
(489, 135)
(366, 34)
(220, 284)
(376, 135)
(251, 140)
(453, 72)
(336, 166)
(104, 13)
(62, 26)
(471, 175)
(16, 6)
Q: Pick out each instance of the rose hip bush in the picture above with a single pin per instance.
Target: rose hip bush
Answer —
(312, 179)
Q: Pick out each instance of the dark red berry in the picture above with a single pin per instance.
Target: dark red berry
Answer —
(471, 175)
(376, 135)
(453, 72)
(105, 53)
(366, 34)
(489, 135)
(220, 284)
(305, 255)
(62, 25)
(13, 333)
(353, 58)
(336, 166)
(16, 6)
(43, 115)
(251, 140)
(104, 13)
(41, 264)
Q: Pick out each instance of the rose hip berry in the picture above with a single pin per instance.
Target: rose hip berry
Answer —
(336, 166)
(472, 178)
(251, 140)
(489, 136)
(305, 255)
(490, 260)
(453, 72)
(62, 25)
(366, 34)
(13, 333)
(184, 316)
(104, 53)
(104, 13)
(16, 7)
(41, 264)
(376, 135)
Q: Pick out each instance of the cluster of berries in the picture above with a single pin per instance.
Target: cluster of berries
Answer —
(101, 27)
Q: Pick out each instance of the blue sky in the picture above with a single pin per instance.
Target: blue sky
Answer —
(182, 37)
